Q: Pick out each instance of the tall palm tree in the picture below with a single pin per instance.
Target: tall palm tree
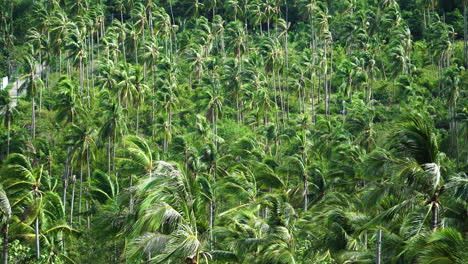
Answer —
(78, 51)
(167, 228)
(141, 159)
(68, 108)
(31, 84)
(112, 130)
(7, 113)
(83, 145)
(151, 57)
(126, 91)
(27, 182)
(59, 33)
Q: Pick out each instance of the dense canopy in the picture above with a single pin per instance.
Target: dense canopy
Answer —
(235, 131)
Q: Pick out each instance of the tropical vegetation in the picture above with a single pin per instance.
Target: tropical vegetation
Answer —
(236, 131)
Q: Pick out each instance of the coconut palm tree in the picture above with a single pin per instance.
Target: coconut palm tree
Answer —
(31, 84)
(7, 113)
(112, 129)
(27, 183)
(83, 138)
(59, 33)
(75, 43)
(167, 228)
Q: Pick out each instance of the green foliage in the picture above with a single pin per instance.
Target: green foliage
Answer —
(233, 131)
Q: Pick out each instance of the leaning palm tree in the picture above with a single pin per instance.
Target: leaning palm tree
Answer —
(140, 158)
(167, 226)
(26, 188)
(413, 166)
(444, 246)
(416, 142)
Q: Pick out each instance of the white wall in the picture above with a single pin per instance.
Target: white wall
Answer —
(4, 82)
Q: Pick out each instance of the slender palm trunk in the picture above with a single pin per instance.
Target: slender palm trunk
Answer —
(8, 136)
(379, 247)
(73, 195)
(40, 76)
(306, 192)
(36, 231)
(65, 178)
(137, 118)
(153, 105)
(109, 155)
(465, 33)
(211, 223)
(435, 216)
(80, 195)
(130, 206)
(325, 80)
(5, 243)
(33, 118)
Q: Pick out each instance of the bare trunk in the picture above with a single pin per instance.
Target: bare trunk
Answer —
(435, 216)
(137, 118)
(73, 195)
(306, 193)
(465, 33)
(325, 80)
(8, 136)
(131, 194)
(36, 231)
(211, 223)
(379, 247)
(5, 243)
(65, 179)
(109, 156)
(33, 118)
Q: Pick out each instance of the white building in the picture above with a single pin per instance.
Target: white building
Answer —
(4, 83)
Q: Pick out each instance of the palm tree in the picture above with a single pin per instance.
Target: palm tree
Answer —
(141, 89)
(78, 50)
(59, 33)
(151, 57)
(233, 7)
(414, 167)
(27, 182)
(445, 245)
(7, 113)
(167, 228)
(139, 15)
(141, 159)
(112, 129)
(83, 145)
(218, 31)
(271, 10)
(32, 83)
(126, 91)
(68, 108)
(78, 7)
(121, 30)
